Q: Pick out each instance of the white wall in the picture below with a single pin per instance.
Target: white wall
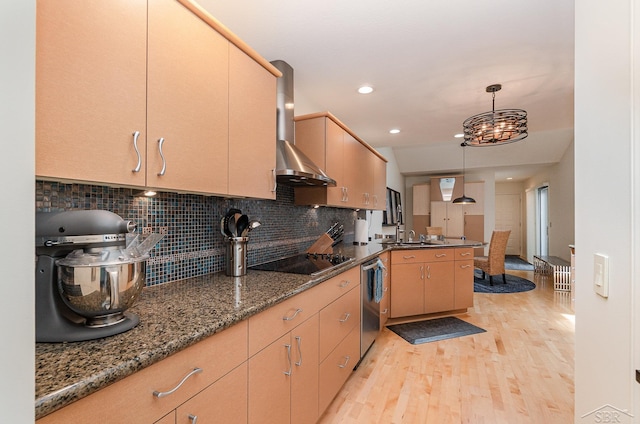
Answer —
(560, 178)
(607, 221)
(17, 132)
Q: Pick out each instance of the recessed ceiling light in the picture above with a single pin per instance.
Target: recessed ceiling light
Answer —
(459, 135)
(365, 89)
(394, 131)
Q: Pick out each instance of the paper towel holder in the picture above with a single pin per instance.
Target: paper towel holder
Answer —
(361, 236)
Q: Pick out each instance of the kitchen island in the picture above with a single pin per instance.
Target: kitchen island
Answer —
(173, 317)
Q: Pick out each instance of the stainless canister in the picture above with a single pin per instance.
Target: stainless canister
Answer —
(237, 256)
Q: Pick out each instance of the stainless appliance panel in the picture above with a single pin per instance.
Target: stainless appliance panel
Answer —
(370, 309)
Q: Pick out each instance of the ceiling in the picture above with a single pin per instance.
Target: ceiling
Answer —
(429, 63)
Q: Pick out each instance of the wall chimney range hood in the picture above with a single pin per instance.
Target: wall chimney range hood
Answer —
(293, 167)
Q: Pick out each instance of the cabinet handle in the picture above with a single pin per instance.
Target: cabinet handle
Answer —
(409, 257)
(386, 310)
(286, 318)
(428, 271)
(465, 266)
(164, 162)
(465, 254)
(135, 146)
(299, 342)
(422, 272)
(288, 347)
(344, 283)
(346, 317)
(163, 394)
(275, 181)
(441, 255)
(193, 418)
(375, 200)
(346, 361)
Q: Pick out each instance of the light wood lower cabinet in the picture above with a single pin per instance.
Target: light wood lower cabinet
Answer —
(216, 356)
(337, 367)
(225, 401)
(431, 280)
(283, 378)
(385, 303)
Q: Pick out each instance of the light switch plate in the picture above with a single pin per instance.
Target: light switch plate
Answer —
(601, 274)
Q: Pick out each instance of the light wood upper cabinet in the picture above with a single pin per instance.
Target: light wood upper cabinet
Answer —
(449, 216)
(187, 101)
(200, 103)
(252, 127)
(90, 90)
(360, 173)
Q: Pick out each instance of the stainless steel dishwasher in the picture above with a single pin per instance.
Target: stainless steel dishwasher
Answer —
(370, 308)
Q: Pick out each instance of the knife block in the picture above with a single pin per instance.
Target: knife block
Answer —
(322, 245)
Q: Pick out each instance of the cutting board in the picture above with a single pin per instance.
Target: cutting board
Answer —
(322, 245)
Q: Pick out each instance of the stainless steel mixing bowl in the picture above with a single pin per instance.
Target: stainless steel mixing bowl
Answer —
(101, 292)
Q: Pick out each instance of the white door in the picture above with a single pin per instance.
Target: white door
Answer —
(508, 217)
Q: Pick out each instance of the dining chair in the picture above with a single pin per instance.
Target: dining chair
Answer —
(494, 263)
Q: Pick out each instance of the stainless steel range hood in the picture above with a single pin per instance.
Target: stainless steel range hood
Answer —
(292, 166)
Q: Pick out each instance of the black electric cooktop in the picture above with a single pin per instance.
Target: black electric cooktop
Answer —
(304, 263)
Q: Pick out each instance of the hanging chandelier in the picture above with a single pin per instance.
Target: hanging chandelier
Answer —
(497, 127)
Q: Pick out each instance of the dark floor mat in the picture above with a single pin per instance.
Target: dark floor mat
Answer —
(513, 285)
(514, 262)
(432, 330)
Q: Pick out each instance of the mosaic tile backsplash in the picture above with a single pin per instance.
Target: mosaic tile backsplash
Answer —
(193, 244)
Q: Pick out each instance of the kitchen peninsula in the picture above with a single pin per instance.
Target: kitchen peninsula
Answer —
(179, 316)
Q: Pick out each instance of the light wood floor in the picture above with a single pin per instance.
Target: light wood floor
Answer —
(519, 371)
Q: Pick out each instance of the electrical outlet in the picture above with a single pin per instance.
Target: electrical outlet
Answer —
(147, 230)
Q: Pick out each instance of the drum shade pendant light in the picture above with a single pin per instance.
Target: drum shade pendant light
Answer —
(497, 127)
(464, 199)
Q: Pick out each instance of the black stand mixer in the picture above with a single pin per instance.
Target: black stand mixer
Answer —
(90, 268)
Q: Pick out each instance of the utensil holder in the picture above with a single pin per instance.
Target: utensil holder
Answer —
(236, 256)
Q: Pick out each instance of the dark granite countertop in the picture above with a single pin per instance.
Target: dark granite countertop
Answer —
(173, 316)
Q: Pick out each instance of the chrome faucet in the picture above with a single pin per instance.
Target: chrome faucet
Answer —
(398, 230)
(412, 234)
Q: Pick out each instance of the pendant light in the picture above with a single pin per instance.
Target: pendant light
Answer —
(464, 199)
(496, 127)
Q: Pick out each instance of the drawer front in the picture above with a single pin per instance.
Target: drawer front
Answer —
(216, 355)
(409, 256)
(463, 253)
(338, 319)
(271, 324)
(337, 367)
(439, 255)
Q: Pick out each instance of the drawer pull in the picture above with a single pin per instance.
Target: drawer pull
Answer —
(193, 418)
(285, 318)
(135, 146)
(299, 341)
(441, 255)
(164, 161)
(422, 272)
(465, 266)
(385, 311)
(344, 283)
(346, 317)
(465, 254)
(346, 361)
(409, 257)
(163, 394)
(428, 271)
(275, 181)
(288, 347)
